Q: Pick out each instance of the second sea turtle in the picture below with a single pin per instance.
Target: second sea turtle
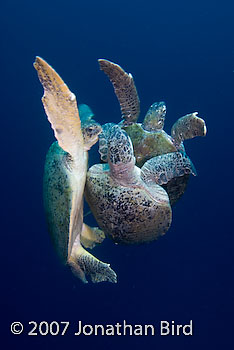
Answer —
(127, 202)
(148, 138)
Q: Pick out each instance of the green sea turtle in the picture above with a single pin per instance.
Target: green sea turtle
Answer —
(148, 138)
(127, 202)
(65, 176)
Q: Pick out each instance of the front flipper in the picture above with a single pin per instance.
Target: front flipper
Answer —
(90, 236)
(61, 109)
(188, 127)
(125, 90)
(84, 264)
(164, 168)
(171, 171)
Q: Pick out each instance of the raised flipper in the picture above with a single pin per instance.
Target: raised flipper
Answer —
(91, 236)
(120, 149)
(115, 147)
(164, 168)
(121, 158)
(61, 109)
(155, 117)
(188, 127)
(84, 264)
(125, 90)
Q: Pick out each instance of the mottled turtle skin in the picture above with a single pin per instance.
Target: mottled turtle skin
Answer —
(148, 138)
(128, 209)
(65, 176)
(176, 183)
(149, 142)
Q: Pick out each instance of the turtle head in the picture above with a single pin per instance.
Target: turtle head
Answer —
(90, 131)
(155, 117)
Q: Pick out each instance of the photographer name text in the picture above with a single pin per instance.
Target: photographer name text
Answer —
(79, 328)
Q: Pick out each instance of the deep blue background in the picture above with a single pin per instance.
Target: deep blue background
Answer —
(181, 52)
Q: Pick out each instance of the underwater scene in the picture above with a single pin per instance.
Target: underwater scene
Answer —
(117, 174)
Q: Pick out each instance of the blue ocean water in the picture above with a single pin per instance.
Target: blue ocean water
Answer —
(180, 52)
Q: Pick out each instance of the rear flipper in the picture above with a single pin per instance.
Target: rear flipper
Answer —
(84, 264)
(90, 236)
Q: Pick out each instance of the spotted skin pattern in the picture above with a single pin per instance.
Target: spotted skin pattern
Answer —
(188, 127)
(57, 190)
(166, 167)
(128, 209)
(127, 214)
(85, 264)
(125, 90)
(155, 117)
(120, 148)
(103, 140)
(149, 139)
(57, 196)
(172, 171)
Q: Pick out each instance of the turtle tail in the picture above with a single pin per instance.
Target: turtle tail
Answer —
(84, 264)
